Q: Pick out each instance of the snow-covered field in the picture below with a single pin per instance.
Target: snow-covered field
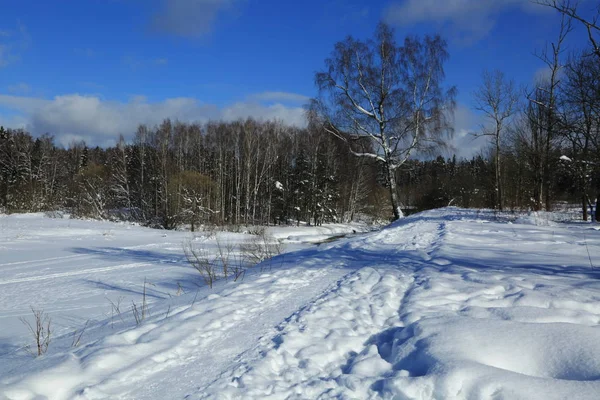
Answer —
(446, 304)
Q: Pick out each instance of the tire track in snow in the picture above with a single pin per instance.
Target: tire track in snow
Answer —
(73, 273)
(55, 260)
(44, 260)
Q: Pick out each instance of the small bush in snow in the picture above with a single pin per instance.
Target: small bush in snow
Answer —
(200, 259)
(257, 230)
(260, 248)
(140, 311)
(40, 330)
(54, 214)
(228, 260)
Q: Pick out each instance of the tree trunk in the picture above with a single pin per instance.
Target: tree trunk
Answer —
(499, 204)
(584, 207)
(393, 195)
(597, 214)
(538, 183)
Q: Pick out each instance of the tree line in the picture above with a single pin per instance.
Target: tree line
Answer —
(245, 172)
(380, 104)
(242, 172)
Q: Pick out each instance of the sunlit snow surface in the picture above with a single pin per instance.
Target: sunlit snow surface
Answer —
(447, 304)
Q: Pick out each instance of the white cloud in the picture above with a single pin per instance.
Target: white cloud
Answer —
(280, 97)
(466, 122)
(466, 145)
(13, 121)
(542, 74)
(470, 20)
(190, 18)
(99, 122)
(289, 115)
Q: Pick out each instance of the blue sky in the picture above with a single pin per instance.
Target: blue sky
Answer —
(96, 68)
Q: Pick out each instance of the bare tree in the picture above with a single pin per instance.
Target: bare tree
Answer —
(93, 191)
(569, 9)
(528, 142)
(546, 99)
(496, 98)
(581, 99)
(391, 94)
(119, 176)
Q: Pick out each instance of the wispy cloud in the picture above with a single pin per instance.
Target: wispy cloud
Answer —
(86, 52)
(283, 97)
(469, 20)
(542, 74)
(12, 43)
(98, 121)
(136, 63)
(89, 85)
(5, 55)
(19, 88)
(190, 18)
(344, 13)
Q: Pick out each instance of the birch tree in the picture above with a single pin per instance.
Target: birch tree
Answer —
(496, 98)
(389, 93)
(119, 176)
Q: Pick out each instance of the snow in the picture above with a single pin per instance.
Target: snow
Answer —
(449, 303)
(536, 218)
(315, 234)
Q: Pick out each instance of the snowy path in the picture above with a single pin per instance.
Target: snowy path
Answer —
(190, 344)
(208, 337)
(448, 304)
(455, 308)
(314, 354)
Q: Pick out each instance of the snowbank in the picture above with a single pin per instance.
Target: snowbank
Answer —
(446, 304)
(536, 218)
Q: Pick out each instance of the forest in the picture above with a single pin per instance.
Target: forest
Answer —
(375, 146)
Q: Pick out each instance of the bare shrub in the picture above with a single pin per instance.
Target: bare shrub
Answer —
(200, 259)
(261, 248)
(229, 260)
(77, 338)
(115, 310)
(226, 257)
(140, 312)
(40, 330)
(239, 268)
(257, 230)
(180, 290)
(206, 232)
(51, 214)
